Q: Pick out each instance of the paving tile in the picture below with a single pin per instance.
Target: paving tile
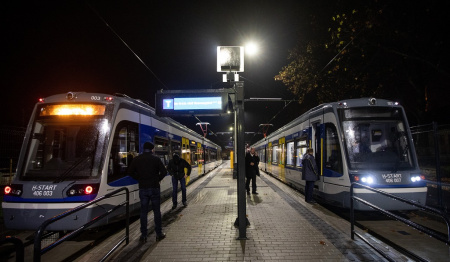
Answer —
(283, 228)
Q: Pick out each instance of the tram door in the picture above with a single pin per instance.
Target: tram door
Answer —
(282, 157)
(269, 158)
(186, 154)
(317, 144)
(200, 159)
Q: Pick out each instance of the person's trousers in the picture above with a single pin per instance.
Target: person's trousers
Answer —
(309, 188)
(147, 196)
(251, 177)
(175, 190)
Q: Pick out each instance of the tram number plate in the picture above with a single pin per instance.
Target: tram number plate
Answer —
(43, 190)
(392, 178)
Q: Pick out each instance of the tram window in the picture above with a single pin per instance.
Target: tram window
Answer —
(213, 155)
(381, 144)
(263, 154)
(300, 151)
(333, 158)
(175, 147)
(58, 149)
(209, 155)
(162, 149)
(269, 154)
(124, 149)
(200, 155)
(290, 154)
(275, 154)
(193, 155)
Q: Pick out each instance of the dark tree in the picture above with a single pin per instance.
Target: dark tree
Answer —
(388, 49)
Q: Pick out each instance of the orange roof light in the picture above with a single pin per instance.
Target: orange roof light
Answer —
(73, 109)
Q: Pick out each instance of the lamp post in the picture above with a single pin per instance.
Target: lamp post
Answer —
(230, 61)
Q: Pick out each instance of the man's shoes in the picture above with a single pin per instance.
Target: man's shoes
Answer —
(255, 193)
(311, 201)
(160, 237)
(174, 206)
(248, 192)
(185, 204)
(143, 239)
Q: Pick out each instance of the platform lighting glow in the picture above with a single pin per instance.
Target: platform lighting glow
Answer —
(72, 109)
(251, 48)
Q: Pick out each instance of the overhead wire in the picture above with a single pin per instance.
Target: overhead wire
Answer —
(129, 48)
(151, 71)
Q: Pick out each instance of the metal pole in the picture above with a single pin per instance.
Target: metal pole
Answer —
(438, 164)
(265, 155)
(10, 171)
(352, 213)
(240, 152)
(127, 219)
(235, 144)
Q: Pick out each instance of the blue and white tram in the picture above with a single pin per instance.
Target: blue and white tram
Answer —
(78, 147)
(365, 140)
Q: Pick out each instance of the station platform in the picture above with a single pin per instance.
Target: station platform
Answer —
(283, 227)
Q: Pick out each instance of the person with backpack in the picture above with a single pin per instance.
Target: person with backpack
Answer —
(176, 168)
(309, 174)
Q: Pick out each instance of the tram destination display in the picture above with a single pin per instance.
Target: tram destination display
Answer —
(203, 102)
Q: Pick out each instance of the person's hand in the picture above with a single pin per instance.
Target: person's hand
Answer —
(185, 176)
(252, 164)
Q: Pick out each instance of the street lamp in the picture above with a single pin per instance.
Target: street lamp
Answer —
(251, 48)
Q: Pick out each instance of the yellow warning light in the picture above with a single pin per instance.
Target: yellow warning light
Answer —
(73, 110)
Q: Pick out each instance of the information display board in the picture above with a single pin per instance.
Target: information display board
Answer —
(192, 102)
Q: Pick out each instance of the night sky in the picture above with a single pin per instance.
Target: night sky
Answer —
(52, 47)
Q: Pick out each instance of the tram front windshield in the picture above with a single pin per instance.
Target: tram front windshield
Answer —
(65, 147)
(376, 138)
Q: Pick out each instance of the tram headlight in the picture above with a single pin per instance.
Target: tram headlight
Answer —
(367, 180)
(364, 179)
(82, 190)
(417, 178)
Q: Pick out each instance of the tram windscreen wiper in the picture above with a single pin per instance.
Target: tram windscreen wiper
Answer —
(73, 168)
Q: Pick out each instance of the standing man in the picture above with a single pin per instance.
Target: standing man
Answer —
(309, 174)
(251, 170)
(148, 170)
(176, 168)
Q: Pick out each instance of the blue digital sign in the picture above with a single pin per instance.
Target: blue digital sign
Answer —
(196, 103)
(204, 102)
(167, 103)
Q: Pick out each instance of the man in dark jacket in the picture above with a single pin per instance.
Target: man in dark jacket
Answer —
(251, 170)
(176, 168)
(148, 170)
(310, 174)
